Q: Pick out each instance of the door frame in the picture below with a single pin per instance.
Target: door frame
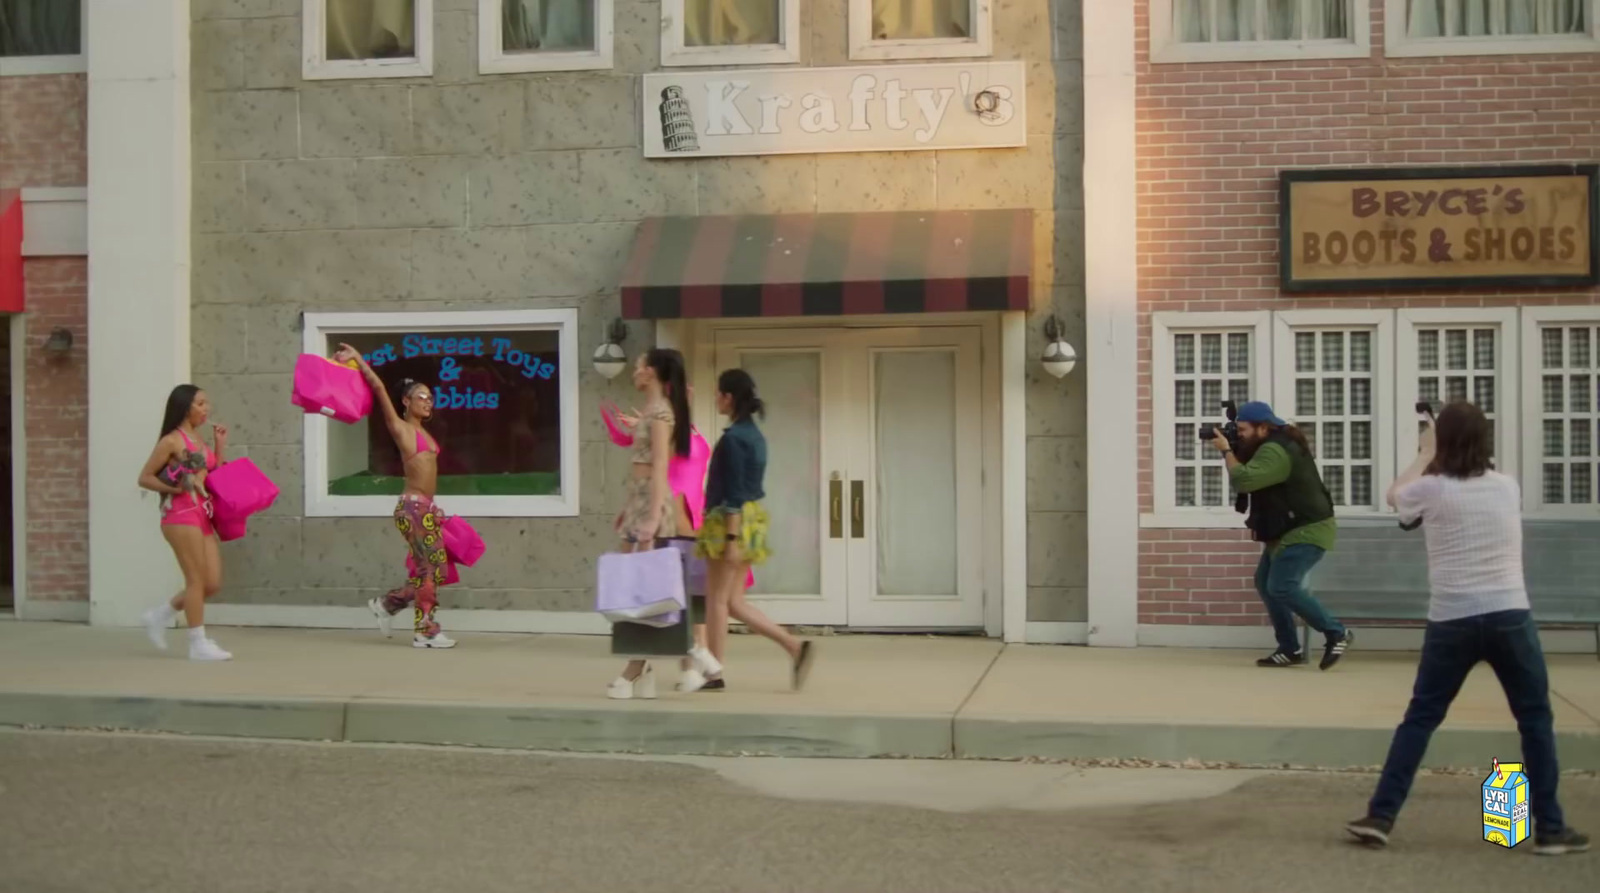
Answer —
(1002, 338)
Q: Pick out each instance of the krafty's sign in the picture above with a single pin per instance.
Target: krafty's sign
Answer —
(1525, 226)
(695, 114)
(450, 349)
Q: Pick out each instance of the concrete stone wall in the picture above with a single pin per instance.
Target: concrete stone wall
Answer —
(470, 192)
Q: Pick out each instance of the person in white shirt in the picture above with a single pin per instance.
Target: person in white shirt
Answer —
(1478, 611)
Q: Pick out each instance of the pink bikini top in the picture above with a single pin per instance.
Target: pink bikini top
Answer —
(422, 445)
(686, 475)
(211, 458)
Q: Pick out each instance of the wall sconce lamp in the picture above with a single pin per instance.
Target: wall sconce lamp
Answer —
(610, 358)
(1059, 357)
(59, 344)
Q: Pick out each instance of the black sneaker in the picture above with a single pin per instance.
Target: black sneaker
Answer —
(1561, 843)
(1336, 648)
(714, 685)
(1372, 831)
(1281, 658)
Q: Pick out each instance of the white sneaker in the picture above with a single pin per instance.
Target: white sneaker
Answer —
(205, 649)
(156, 621)
(385, 619)
(692, 681)
(643, 687)
(703, 661)
(437, 640)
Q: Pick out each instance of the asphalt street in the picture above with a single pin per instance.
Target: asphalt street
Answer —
(102, 812)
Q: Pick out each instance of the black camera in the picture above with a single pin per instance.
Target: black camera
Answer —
(1230, 431)
(1427, 408)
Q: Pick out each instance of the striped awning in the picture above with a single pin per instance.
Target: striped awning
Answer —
(829, 264)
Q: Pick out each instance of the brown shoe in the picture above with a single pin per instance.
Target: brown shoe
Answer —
(802, 666)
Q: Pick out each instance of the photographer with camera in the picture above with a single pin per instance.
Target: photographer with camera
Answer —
(1291, 515)
(1477, 611)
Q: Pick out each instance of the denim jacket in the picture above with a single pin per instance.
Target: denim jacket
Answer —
(738, 465)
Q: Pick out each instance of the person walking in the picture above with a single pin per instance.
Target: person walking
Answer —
(177, 469)
(1291, 514)
(416, 516)
(734, 534)
(1478, 610)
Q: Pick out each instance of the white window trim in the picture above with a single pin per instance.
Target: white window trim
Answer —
(1383, 388)
(1532, 479)
(1164, 48)
(1508, 373)
(1396, 43)
(317, 327)
(862, 46)
(493, 59)
(1162, 327)
(674, 53)
(315, 66)
(26, 66)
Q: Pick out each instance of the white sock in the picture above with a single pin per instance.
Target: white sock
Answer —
(164, 612)
(197, 634)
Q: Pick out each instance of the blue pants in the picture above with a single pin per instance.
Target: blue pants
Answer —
(1281, 583)
(1509, 641)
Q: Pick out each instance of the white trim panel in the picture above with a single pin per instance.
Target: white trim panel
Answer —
(1014, 476)
(566, 623)
(55, 222)
(315, 66)
(59, 612)
(493, 59)
(1532, 394)
(18, 332)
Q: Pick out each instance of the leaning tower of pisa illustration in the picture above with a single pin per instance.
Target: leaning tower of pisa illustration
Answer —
(677, 124)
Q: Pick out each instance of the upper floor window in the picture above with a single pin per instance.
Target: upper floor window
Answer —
(367, 39)
(1490, 27)
(41, 37)
(544, 35)
(1257, 30)
(730, 32)
(919, 29)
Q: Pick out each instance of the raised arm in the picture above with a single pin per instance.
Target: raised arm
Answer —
(166, 448)
(391, 418)
(1424, 458)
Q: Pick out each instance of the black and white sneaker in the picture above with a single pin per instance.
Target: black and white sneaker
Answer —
(1336, 648)
(1372, 830)
(1561, 843)
(1281, 658)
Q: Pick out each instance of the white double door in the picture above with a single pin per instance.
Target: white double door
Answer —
(874, 479)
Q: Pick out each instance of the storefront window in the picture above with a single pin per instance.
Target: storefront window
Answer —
(504, 413)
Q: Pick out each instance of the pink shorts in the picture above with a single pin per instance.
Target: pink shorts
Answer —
(185, 512)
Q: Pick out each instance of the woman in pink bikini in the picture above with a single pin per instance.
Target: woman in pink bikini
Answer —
(416, 517)
(177, 469)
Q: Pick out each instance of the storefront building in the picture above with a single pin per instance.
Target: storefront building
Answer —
(1456, 263)
(875, 207)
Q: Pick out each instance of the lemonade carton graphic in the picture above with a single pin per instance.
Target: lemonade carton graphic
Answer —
(1505, 805)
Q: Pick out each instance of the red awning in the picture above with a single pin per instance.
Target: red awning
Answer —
(10, 251)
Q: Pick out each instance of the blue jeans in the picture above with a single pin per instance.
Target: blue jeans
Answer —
(1509, 641)
(1281, 583)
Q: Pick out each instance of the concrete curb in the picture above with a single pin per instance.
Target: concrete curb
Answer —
(604, 729)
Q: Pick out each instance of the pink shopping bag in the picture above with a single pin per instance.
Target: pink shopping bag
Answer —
(451, 575)
(239, 490)
(332, 389)
(228, 529)
(461, 542)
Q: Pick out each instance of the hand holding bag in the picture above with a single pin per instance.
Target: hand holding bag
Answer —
(642, 587)
(461, 542)
(332, 389)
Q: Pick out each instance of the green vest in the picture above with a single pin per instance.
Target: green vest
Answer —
(1300, 500)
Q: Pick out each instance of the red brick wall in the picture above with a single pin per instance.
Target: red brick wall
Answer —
(1211, 141)
(43, 143)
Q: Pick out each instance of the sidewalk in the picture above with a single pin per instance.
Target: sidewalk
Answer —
(868, 697)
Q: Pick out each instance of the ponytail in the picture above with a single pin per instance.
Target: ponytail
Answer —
(738, 384)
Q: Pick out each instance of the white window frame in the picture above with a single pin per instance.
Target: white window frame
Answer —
(317, 328)
(1285, 324)
(78, 63)
(1508, 375)
(493, 59)
(674, 53)
(1397, 43)
(1162, 327)
(862, 46)
(1166, 48)
(316, 66)
(1532, 478)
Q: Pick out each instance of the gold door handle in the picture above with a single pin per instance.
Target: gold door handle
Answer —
(858, 526)
(835, 507)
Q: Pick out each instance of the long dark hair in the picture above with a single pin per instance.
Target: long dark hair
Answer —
(738, 384)
(1464, 440)
(668, 366)
(179, 402)
(1299, 437)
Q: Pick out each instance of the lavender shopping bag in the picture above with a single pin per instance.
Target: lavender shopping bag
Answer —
(642, 587)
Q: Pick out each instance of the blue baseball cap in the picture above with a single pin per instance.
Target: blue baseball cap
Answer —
(1257, 412)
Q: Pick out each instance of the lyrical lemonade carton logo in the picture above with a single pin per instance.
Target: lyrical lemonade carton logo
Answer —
(1505, 805)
